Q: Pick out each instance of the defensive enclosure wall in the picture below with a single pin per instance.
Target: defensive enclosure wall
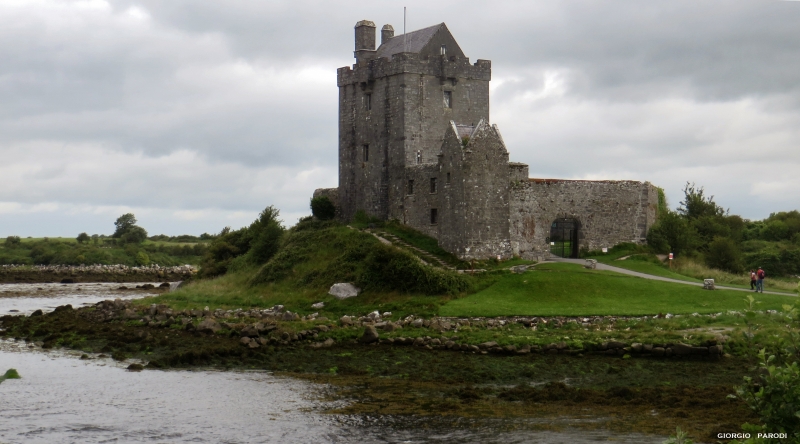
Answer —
(416, 145)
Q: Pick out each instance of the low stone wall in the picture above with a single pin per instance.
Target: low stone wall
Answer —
(93, 273)
(607, 212)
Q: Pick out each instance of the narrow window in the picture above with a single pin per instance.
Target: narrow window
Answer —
(448, 177)
(448, 99)
(368, 102)
(419, 156)
(434, 216)
(366, 153)
(444, 50)
(433, 184)
(410, 186)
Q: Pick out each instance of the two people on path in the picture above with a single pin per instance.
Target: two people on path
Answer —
(760, 275)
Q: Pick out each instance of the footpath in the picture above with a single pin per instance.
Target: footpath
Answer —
(601, 266)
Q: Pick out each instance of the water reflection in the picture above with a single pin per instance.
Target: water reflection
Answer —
(63, 399)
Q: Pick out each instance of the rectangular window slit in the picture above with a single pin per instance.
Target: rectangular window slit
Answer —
(433, 184)
(434, 216)
(366, 153)
(448, 99)
(411, 186)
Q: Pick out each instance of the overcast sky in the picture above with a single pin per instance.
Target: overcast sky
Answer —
(197, 114)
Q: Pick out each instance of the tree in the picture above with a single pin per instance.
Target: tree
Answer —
(695, 204)
(266, 234)
(322, 208)
(134, 235)
(83, 237)
(123, 224)
(672, 233)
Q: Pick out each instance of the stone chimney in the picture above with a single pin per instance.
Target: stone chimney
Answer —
(365, 41)
(387, 32)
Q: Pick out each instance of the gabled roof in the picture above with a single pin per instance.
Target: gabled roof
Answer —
(415, 41)
(464, 130)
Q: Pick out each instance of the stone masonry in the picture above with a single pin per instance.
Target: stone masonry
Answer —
(415, 145)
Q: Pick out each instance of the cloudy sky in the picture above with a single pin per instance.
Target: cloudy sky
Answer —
(197, 114)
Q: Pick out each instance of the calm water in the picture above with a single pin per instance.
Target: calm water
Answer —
(62, 399)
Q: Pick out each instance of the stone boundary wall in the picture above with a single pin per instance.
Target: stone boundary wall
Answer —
(93, 273)
(608, 213)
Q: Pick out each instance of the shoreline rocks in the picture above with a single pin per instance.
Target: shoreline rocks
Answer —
(69, 274)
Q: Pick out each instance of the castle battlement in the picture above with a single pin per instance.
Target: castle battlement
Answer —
(452, 67)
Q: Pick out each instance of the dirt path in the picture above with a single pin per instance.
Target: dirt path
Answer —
(601, 266)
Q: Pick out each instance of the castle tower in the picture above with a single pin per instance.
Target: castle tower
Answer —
(395, 105)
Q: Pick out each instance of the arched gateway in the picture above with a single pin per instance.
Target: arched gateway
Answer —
(564, 237)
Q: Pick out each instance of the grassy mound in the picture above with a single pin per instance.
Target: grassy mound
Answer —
(312, 256)
(318, 254)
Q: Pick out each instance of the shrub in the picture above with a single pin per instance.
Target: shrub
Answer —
(723, 254)
(83, 237)
(142, 259)
(259, 242)
(775, 395)
(322, 208)
(266, 234)
(13, 241)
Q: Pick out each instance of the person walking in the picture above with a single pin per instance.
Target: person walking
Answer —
(753, 280)
(760, 275)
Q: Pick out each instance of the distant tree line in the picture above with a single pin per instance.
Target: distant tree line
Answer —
(701, 228)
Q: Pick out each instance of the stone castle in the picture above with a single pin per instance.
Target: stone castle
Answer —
(416, 145)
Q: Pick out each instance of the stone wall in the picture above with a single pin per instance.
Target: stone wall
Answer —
(608, 213)
(418, 203)
(475, 223)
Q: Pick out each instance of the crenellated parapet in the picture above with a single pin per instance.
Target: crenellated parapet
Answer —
(443, 67)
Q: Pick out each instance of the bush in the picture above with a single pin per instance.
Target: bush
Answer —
(83, 237)
(142, 259)
(322, 208)
(775, 395)
(259, 242)
(723, 254)
(266, 234)
(13, 241)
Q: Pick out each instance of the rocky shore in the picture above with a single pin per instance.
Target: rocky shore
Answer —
(93, 273)
(257, 328)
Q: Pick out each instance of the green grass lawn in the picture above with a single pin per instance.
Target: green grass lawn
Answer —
(650, 268)
(570, 290)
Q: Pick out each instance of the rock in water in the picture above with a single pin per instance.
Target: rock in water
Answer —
(370, 335)
(344, 290)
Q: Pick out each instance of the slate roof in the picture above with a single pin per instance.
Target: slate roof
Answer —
(416, 41)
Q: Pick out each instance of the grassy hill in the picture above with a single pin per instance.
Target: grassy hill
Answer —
(314, 255)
